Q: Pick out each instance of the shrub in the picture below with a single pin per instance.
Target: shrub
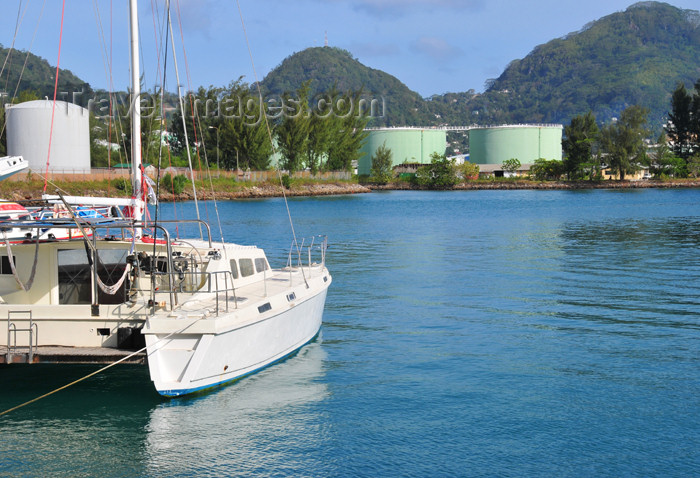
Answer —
(122, 184)
(439, 174)
(286, 181)
(381, 165)
(175, 185)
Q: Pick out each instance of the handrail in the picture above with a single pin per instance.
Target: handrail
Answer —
(12, 330)
(177, 283)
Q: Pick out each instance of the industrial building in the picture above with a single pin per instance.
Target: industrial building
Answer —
(407, 145)
(526, 143)
(28, 130)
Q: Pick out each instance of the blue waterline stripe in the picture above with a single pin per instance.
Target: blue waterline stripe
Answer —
(180, 393)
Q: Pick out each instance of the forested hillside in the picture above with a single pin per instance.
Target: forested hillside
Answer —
(329, 67)
(633, 57)
(627, 58)
(37, 76)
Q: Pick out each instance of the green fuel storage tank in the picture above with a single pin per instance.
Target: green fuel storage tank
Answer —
(526, 143)
(407, 145)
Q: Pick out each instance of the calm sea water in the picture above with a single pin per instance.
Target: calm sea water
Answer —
(484, 333)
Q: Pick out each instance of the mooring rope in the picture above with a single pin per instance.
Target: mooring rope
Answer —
(96, 371)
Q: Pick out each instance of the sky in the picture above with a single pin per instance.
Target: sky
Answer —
(432, 46)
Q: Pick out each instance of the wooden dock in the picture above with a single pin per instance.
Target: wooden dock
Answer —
(70, 355)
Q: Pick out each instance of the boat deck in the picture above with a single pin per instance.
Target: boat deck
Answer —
(71, 355)
(204, 306)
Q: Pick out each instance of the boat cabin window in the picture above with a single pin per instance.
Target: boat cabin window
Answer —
(246, 266)
(234, 268)
(75, 276)
(74, 281)
(260, 264)
(111, 268)
(5, 267)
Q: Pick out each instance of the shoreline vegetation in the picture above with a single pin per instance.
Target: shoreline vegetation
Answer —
(30, 189)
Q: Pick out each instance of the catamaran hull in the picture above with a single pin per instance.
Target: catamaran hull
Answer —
(187, 363)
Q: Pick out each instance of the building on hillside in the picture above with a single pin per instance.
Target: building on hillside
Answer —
(407, 145)
(524, 142)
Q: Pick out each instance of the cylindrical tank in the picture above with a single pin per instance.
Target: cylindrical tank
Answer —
(28, 129)
(411, 145)
(526, 143)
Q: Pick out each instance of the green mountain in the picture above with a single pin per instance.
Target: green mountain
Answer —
(633, 57)
(38, 76)
(329, 66)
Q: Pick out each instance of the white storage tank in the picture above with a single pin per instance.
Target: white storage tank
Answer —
(28, 127)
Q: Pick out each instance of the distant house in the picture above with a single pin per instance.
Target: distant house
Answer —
(406, 170)
(641, 173)
(496, 171)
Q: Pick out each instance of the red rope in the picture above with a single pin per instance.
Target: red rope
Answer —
(55, 91)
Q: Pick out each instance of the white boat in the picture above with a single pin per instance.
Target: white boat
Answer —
(210, 313)
(10, 165)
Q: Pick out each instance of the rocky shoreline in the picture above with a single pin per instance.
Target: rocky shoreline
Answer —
(551, 185)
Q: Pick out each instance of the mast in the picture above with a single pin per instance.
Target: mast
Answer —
(135, 113)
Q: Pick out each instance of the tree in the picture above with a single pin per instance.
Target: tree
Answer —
(662, 160)
(293, 131)
(469, 170)
(510, 166)
(679, 127)
(623, 141)
(439, 174)
(579, 137)
(381, 165)
(230, 117)
(347, 126)
(544, 169)
(320, 135)
(244, 140)
(694, 165)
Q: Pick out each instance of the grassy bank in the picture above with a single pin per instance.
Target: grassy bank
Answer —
(31, 188)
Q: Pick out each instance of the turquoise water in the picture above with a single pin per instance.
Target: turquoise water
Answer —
(475, 333)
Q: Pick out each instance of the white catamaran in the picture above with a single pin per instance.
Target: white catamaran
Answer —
(209, 312)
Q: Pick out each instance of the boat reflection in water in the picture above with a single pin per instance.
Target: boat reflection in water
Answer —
(240, 429)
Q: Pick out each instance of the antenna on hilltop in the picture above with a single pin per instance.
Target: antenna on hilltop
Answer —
(325, 40)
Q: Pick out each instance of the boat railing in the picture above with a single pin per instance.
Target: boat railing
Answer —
(314, 253)
(176, 283)
(32, 329)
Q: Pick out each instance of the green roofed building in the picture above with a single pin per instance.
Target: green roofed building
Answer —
(407, 145)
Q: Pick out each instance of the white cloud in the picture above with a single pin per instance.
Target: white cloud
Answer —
(399, 7)
(396, 8)
(436, 48)
(374, 49)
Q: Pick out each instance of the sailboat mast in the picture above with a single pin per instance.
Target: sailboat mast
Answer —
(135, 112)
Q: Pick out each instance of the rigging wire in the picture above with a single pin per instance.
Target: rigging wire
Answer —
(18, 22)
(184, 124)
(160, 149)
(267, 126)
(26, 60)
(193, 105)
(55, 91)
